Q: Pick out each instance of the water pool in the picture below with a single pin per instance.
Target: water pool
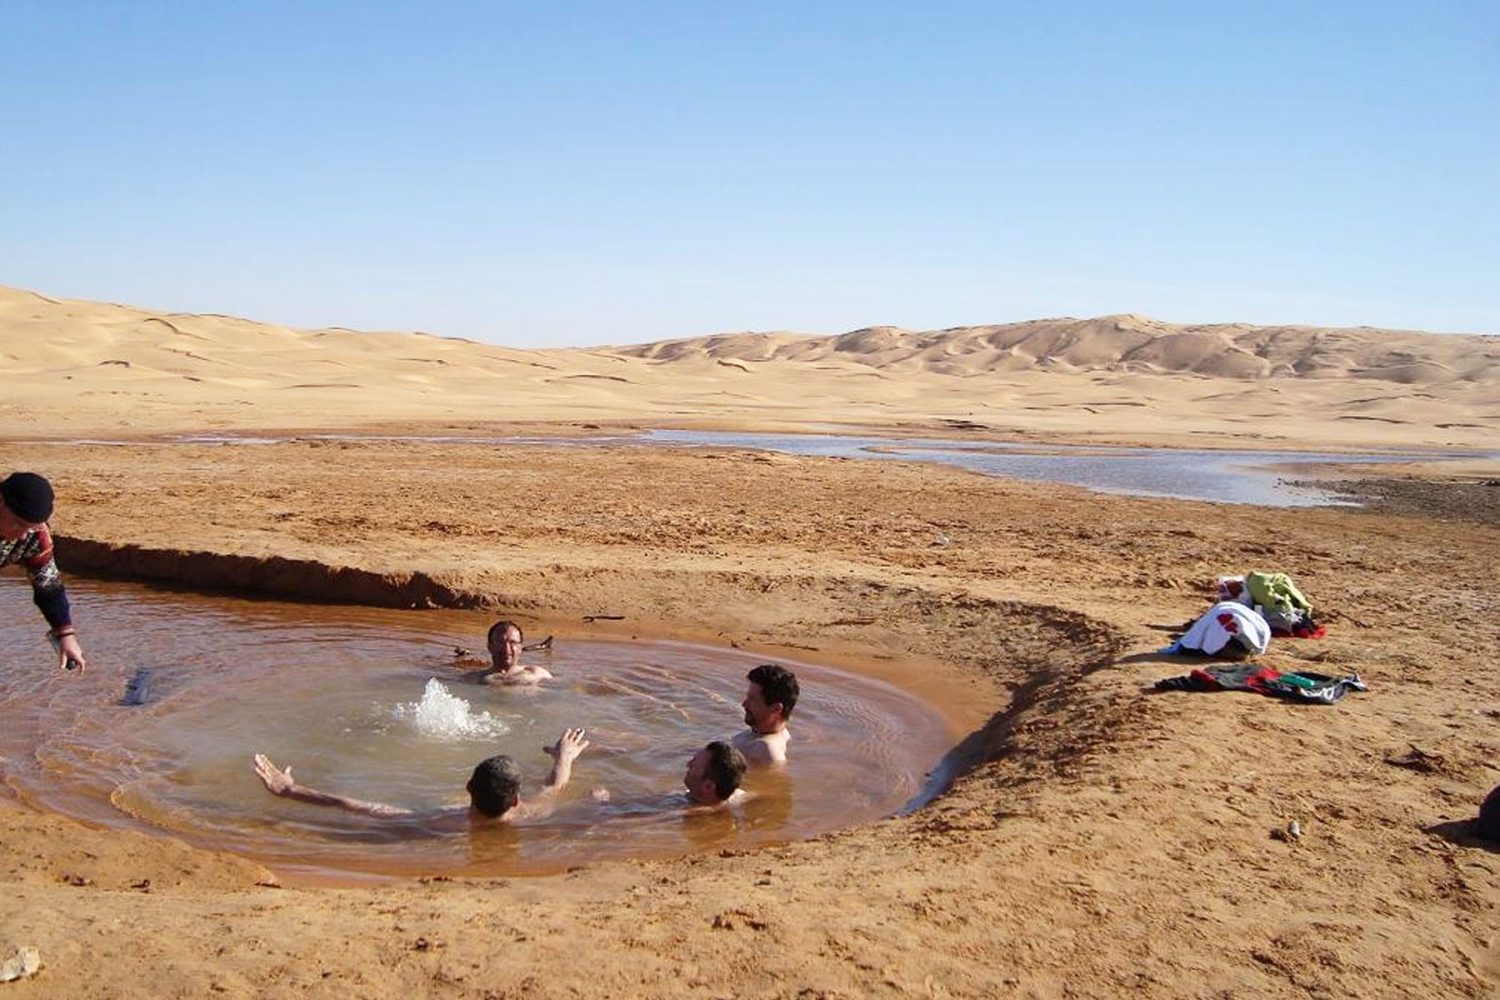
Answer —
(371, 703)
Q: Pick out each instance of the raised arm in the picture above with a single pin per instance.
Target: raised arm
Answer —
(279, 782)
(566, 750)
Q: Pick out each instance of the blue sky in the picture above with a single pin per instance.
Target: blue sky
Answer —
(578, 173)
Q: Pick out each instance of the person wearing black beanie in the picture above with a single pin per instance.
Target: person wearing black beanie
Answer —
(1488, 823)
(25, 506)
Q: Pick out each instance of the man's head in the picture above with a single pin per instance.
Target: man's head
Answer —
(25, 502)
(504, 641)
(495, 786)
(770, 698)
(714, 773)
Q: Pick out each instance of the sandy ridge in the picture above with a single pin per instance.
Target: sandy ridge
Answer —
(1124, 343)
(96, 369)
(44, 332)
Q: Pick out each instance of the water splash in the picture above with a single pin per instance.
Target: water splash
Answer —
(445, 715)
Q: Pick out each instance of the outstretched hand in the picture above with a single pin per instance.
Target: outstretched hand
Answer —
(568, 746)
(276, 780)
(69, 653)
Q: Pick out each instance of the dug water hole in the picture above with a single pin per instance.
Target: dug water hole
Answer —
(373, 704)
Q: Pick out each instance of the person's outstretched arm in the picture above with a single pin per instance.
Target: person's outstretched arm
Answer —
(279, 782)
(566, 750)
(52, 598)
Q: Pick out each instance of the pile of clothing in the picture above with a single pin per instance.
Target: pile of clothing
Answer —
(1251, 609)
(1276, 599)
(1317, 689)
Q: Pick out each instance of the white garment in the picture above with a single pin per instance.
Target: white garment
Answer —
(1225, 621)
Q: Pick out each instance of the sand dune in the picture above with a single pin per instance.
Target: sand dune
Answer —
(73, 363)
(1125, 343)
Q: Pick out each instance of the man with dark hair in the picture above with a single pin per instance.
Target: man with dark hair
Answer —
(25, 506)
(769, 700)
(713, 775)
(505, 640)
(494, 789)
(495, 786)
(712, 779)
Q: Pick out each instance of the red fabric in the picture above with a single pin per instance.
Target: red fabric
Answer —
(1258, 680)
(1301, 632)
(38, 560)
(1206, 679)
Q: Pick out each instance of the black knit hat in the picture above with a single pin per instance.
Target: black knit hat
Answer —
(1488, 824)
(28, 496)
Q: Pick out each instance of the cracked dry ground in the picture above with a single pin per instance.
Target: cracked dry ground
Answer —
(1101, 839)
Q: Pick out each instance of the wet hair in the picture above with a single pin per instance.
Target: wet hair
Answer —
(495, 785)
(500, 627)
(778, 686)
(726, 767)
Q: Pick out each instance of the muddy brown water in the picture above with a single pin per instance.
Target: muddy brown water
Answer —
(373, 704)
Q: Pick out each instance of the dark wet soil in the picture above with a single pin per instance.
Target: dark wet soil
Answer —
(1473, 500)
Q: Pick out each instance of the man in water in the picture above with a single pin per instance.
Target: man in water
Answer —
(712, 779)
(494, 790)
(505, 640)
(768, 703)
(25, 506)
(713, 775)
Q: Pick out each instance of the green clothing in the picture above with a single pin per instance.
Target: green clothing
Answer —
(1276, 591)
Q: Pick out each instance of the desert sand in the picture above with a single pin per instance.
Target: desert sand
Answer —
(1101, 839)
(126, 371)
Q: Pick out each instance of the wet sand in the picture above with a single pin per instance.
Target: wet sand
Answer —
(1423, 490)
(1098, 840)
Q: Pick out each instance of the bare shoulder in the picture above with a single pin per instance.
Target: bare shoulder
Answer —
(754, 748)
(769, 748)
(525, 677)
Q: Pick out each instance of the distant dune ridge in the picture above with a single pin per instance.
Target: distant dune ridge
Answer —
(74, 366)
(46, 332)
(1125, 343)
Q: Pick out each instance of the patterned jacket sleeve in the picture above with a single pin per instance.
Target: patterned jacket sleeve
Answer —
(46, 582)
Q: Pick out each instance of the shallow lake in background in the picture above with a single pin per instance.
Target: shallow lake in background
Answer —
(1184, 474)
(1249, 477)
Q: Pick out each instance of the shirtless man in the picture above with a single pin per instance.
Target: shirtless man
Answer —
(505, 640)
(494, 790)
(768, 703)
